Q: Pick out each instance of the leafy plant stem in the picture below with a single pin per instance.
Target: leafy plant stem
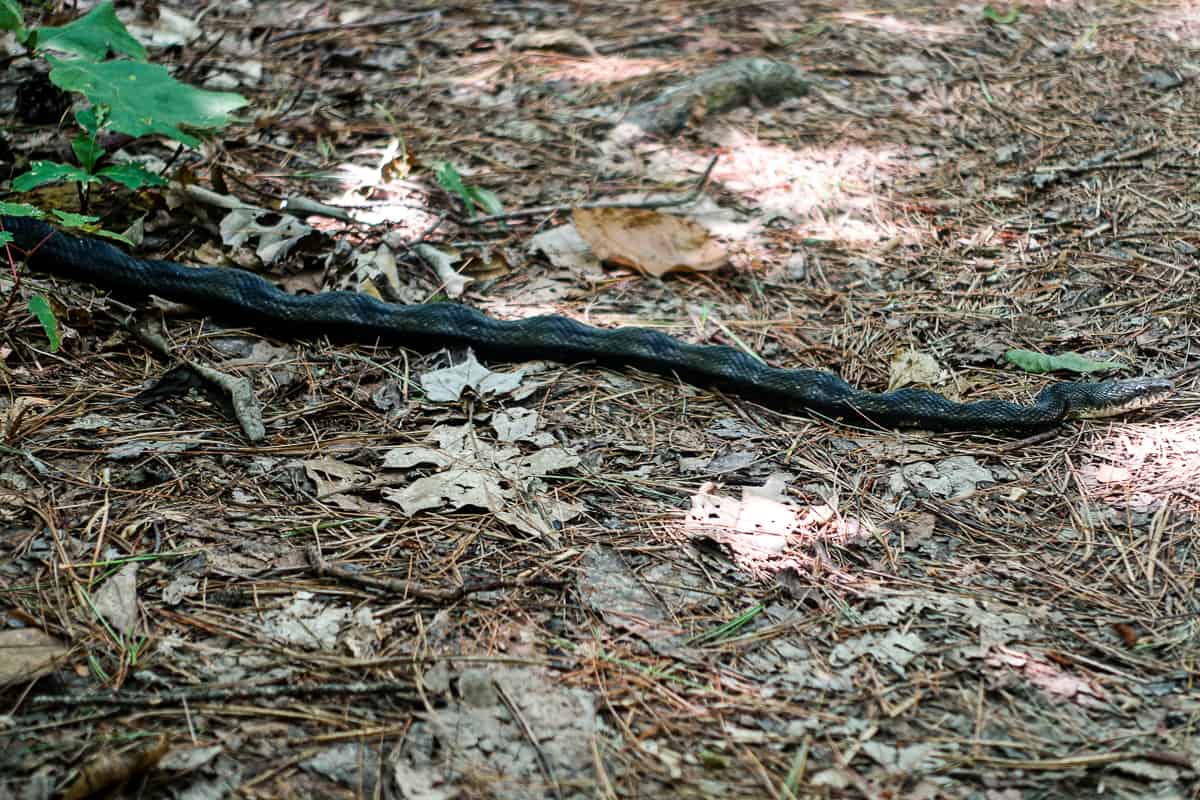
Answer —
(12, 265)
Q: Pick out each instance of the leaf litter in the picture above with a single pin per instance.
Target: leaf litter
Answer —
(841, 612)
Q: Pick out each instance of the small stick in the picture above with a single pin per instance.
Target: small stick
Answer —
(198, 694)
(537, 212)
(412, 589)
(350, 26)
(533, 742)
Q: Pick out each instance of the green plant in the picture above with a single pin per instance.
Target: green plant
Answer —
(1074, 362)
(1001, 18)
(124, 95)
(88, 152)
(449, 178)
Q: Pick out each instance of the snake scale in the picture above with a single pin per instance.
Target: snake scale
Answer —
(243, 298)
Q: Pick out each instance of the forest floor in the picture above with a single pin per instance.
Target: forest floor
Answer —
(561, 581)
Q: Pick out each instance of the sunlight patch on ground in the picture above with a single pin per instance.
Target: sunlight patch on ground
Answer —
(602, 69)
(765, 532)
(375, 197)
(838, 194)
(1179, 20)
(1047, 675)
(832, 193)
(1141, 466)
(911, 30)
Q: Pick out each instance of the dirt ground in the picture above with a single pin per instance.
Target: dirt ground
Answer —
(432, 579)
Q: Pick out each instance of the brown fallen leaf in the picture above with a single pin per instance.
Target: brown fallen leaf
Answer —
(22, 410)
(27, 654)
(914, 368)
(108, 769)
(647, 240)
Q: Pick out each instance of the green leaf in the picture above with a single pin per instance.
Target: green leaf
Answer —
(449, 179)
(92, 119)
(472, 196)
(87, 151)
(143, 99)
(1007, 18)
(11, 19)
(20, 210)
(1039, 362)
(40, 307)
(131, 176)
(487, 199)
(116, 237)
(42, 172)
(91, 36)
(88, 225)
(69, 220)
(5, 238)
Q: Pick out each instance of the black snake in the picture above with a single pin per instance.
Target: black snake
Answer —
(244, 298)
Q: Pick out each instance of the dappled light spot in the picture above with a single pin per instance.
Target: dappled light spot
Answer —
(1006, 665)
(1177, 20)
(911, 30)
(834, 193)
(1143, 466)
(765, 532)
(599, 69)
(379, 194)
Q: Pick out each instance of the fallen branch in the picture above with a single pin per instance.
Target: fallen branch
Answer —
(547, 210)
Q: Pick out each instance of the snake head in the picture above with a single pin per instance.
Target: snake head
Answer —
(1109, 398)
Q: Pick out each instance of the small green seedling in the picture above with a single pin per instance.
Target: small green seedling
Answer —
(88, 153)
(449, 178)
(1001, 18)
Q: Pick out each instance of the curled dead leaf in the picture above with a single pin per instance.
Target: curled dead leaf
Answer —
(108, 769)
(914, 368)
(648, 240)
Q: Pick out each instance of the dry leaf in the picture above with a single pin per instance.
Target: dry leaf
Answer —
(276, 235)
(334, 477)
(22, 408)
(914, 368)
(110, 769)
(647, 240)
(563, 39)
(117, 600)
(27, 654)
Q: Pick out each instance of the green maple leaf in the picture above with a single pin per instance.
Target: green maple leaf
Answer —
(91, 36)
(143, 99)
